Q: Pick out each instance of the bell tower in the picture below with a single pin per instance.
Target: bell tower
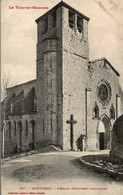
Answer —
(62, 46)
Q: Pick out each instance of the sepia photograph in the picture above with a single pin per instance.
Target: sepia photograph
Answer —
(62, 97)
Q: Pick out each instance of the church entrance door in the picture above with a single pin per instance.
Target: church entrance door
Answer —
(104, 133)
(101, 141)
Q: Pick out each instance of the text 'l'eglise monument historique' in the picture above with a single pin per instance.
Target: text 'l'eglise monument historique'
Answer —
(73, 102)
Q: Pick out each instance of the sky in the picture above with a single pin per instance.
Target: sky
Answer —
(19, 34)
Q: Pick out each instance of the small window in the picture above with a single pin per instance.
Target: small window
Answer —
(79, 24)
(112, 112)
(14, 127)
(45, 24)
(71, 19)
(26, 133)
(54, 19)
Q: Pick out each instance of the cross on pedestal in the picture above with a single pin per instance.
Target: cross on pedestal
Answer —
(71, 122)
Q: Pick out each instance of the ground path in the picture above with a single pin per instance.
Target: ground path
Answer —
(55, 170)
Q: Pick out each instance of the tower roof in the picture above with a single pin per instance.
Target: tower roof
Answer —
(60, 5)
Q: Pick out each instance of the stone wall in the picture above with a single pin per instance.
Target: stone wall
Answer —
(12, 134)
(11, 131)
(99, 71)
(49, 81)
(74, 66)
(116, 148)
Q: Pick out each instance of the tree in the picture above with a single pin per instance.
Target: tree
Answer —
(7, 81)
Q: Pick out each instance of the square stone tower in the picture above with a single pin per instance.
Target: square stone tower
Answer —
(62, 58)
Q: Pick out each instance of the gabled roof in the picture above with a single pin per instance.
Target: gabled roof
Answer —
(104, 59)
(59, 5)
(22, 84)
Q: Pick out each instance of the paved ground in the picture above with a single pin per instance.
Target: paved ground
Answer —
(55, 170)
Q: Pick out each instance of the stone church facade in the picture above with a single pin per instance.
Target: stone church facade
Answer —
(68, 88)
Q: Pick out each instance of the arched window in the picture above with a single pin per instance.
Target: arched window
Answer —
(54, 19)
(96, 111)
(112, 112)
(14, 127)
(79, 23)
(35, 100)
(71, 19)
(26, 133)
(35, 104)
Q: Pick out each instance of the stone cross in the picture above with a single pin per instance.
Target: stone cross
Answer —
(71, 122)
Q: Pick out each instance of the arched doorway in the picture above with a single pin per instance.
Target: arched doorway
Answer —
(104, 136)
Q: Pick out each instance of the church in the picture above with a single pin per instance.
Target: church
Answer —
(73, 102)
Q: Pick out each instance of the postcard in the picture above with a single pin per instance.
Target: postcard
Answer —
(62, 97)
